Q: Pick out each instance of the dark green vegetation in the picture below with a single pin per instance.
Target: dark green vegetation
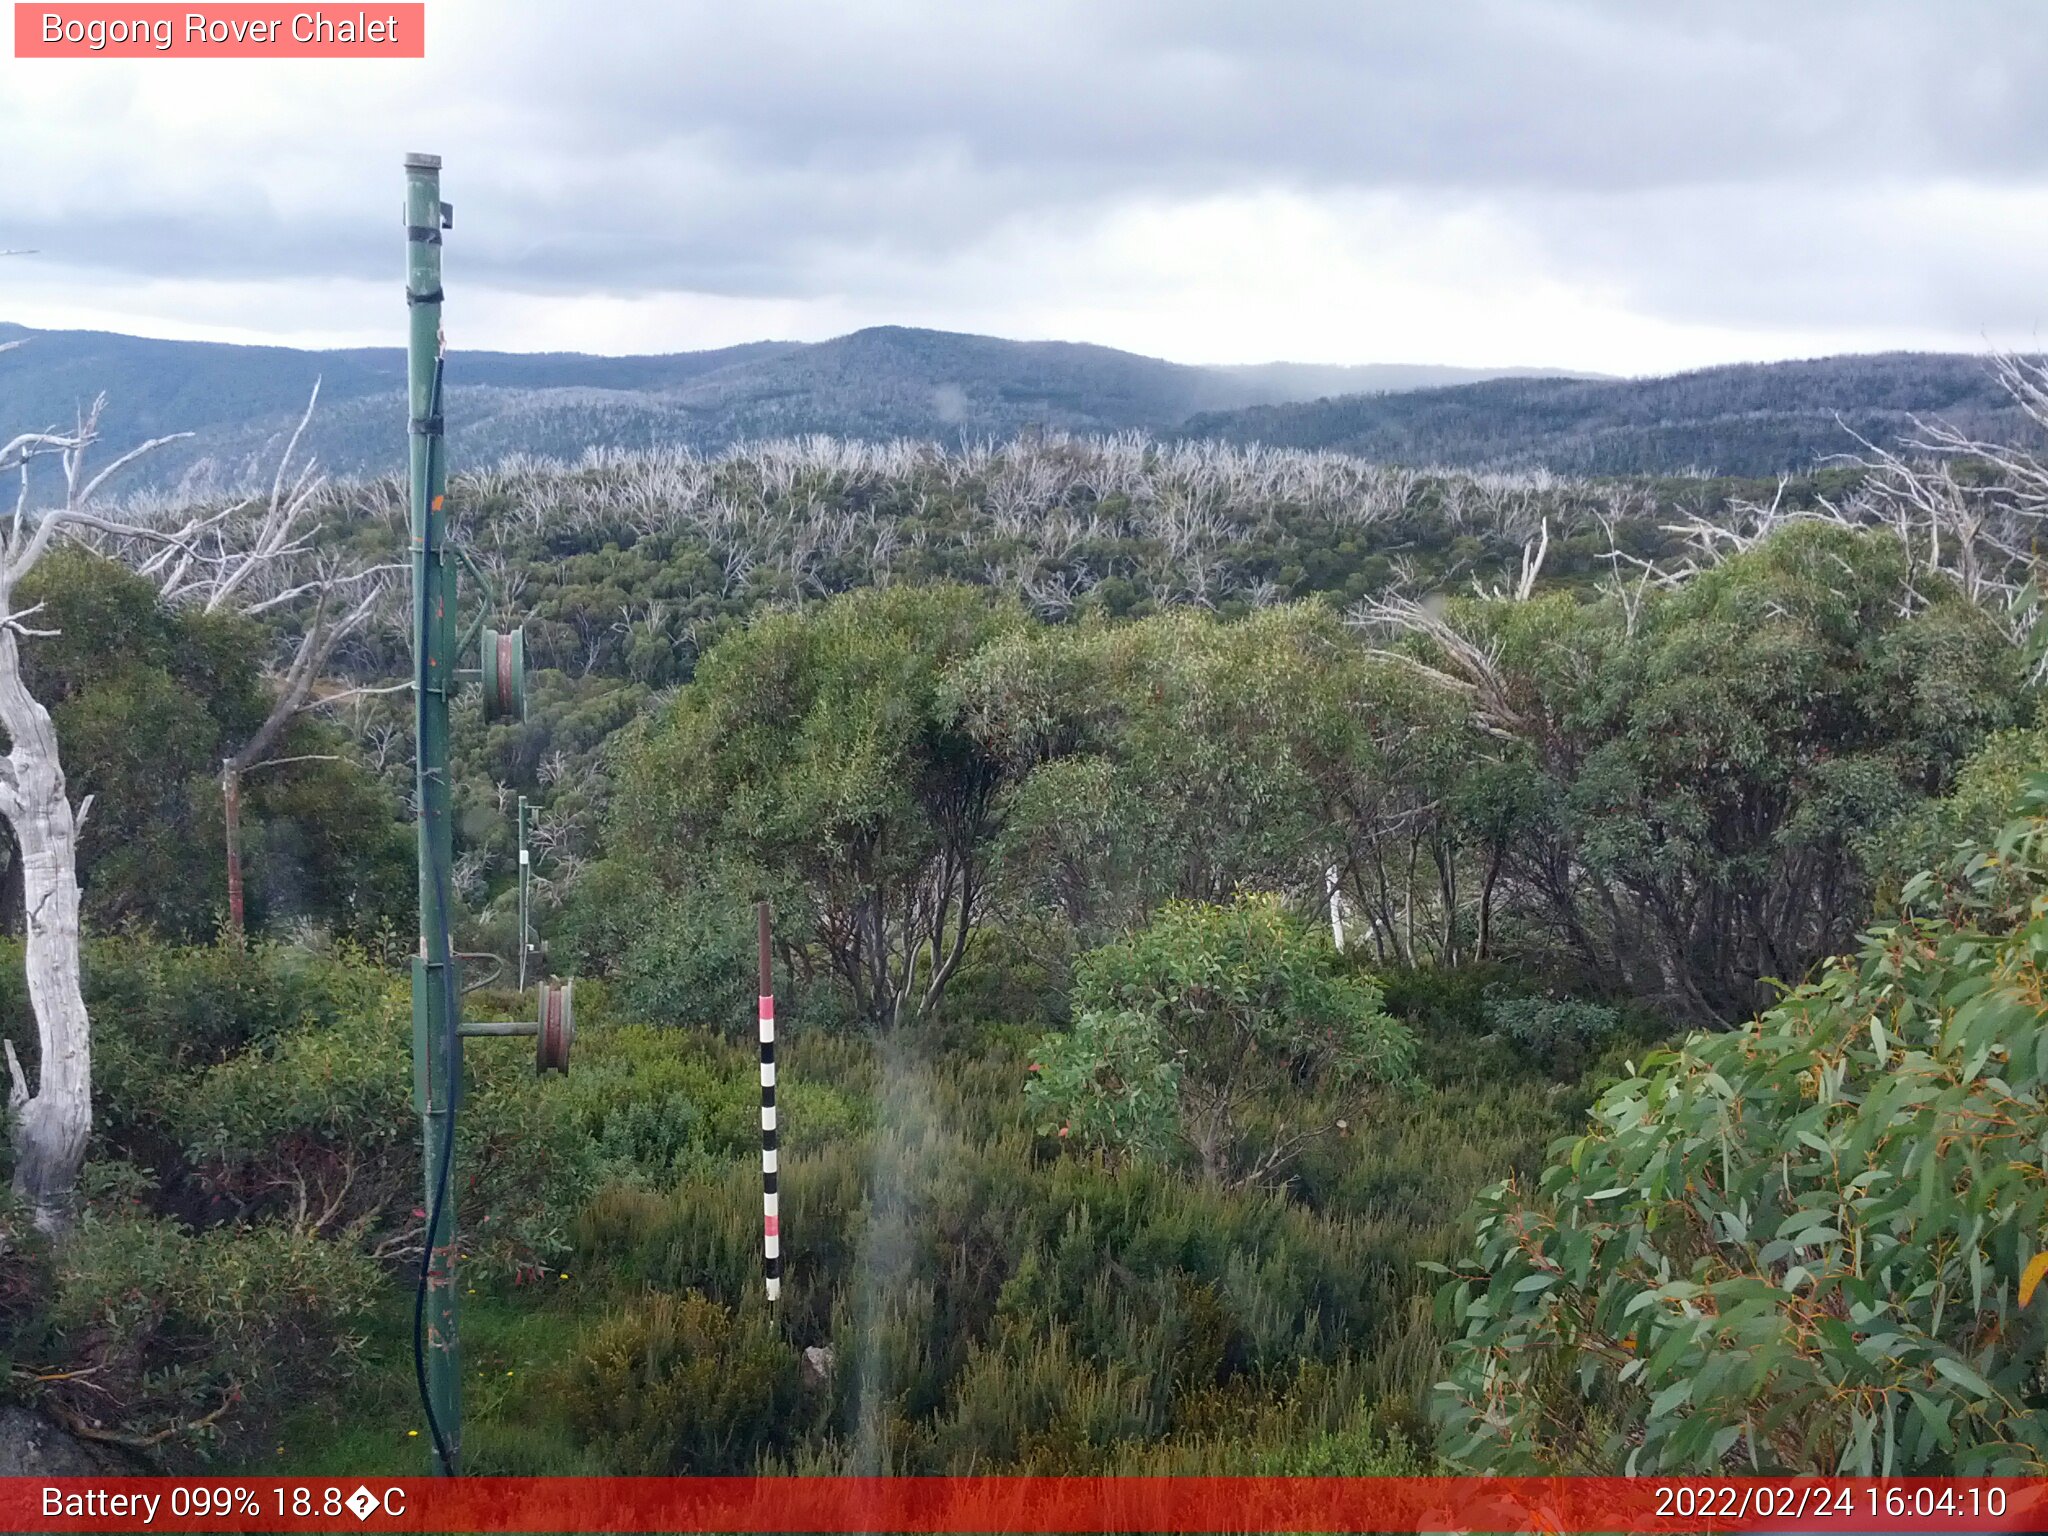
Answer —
(146, 702)
(1047, 755)
(986, 1300)
(1748, 419)
(886, 382)
(1809, 1243)
(1679, 797)
(1212, 1034)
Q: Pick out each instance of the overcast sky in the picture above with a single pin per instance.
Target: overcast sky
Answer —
(1633, 187)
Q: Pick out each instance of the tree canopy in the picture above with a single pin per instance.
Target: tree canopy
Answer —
(147, 698)
(818, 758)
(1186, 1034)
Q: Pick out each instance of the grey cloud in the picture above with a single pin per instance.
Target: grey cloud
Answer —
(752, 151)
(1529, 93)
(1793, 255)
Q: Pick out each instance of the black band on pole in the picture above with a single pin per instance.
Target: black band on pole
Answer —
(427, 426)
(423, 234)
(423, 298)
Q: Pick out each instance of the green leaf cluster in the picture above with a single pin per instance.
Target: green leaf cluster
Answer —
(1183, 1029)
(1800, 1245)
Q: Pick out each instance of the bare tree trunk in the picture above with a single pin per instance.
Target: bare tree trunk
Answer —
(1446, 859)
(1408, 901)
(52, 1124)
(231, 811)
(1493, 864)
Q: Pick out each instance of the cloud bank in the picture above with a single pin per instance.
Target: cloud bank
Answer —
(1601, 185)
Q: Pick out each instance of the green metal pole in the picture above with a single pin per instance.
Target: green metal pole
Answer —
(437, 1049)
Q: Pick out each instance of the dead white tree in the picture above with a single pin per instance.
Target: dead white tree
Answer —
(1467, 664)
(52, 1120)
(1534, 550)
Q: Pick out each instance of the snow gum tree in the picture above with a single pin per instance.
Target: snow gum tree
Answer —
(51, 1119)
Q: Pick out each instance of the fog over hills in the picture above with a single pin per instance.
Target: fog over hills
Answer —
(1743, 419)
(893, 381)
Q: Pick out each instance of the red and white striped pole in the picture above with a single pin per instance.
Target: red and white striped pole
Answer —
(771, 1218)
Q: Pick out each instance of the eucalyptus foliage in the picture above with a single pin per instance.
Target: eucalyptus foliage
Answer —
(1701, 773)
(1184, 1031)
(147, 699)
(1810, 1244)
(817, 758)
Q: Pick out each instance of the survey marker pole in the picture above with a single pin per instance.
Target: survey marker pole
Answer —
(437, 1048)
(771, 1199)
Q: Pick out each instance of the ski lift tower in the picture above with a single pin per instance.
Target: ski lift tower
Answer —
(438, 1030)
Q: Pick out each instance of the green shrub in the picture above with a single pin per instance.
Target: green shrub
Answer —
(1010, 978)
(1181, 1029)
(161, 1011)
(681, 1385)
(1805, 1245)
(1563, 1035)
(692, 960)
(174, 1335)
(317, 1127)
(1985, 790)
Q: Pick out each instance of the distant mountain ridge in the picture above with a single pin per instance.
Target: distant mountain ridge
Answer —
(1741, 419)
(895, 381)
(888, 381)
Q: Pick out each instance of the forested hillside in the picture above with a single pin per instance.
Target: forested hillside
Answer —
(240, 403)
(1099, 1153)
(1751, 419)
(892, 381)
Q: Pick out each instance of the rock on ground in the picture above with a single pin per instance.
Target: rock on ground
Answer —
(31, 1446)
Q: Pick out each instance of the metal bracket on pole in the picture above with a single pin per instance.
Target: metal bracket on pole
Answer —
(553, 1030)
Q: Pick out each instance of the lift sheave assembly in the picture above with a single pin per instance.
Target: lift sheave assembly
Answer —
(438, 1029)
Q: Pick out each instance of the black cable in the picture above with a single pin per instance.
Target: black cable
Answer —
(443, 889)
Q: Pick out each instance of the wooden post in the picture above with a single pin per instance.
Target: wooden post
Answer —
(231, 801)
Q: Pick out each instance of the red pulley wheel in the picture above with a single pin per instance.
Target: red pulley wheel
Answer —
(503, 673)
(504, 678)
(557, 1027)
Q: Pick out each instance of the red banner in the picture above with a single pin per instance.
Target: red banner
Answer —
(235, 31)
(1005, 1504)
